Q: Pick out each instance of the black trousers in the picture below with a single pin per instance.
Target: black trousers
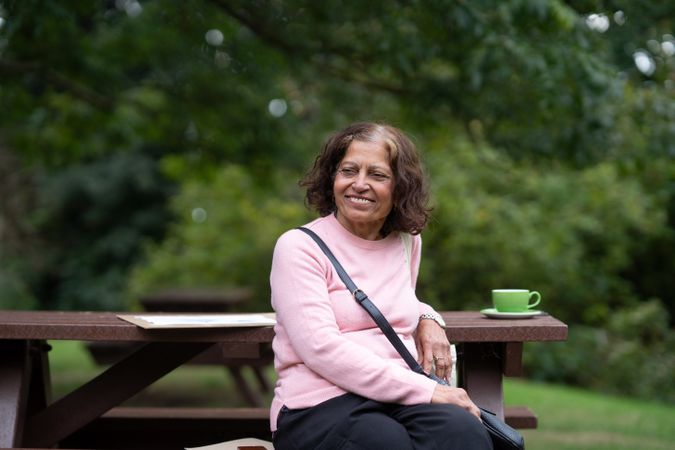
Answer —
(351, 422)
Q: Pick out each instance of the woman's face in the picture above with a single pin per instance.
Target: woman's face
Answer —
(364, 188)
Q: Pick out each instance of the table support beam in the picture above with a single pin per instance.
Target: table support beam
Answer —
(14, 376)
(481, 375)
(90, 401)
(513, 359)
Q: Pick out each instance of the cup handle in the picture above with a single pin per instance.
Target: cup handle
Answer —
(538, 299)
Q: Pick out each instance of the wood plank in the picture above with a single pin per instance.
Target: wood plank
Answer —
(169, 428)
(516, 416)
(106, 326)
(172, 427)
(513, 359)
(14, 380)
(520, 417)
(188, 413)
(481, 375)
(472, 326)
(463, 326)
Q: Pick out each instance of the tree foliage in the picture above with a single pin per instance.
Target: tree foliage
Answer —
(547, 126)
(223, 237)
(497, 223)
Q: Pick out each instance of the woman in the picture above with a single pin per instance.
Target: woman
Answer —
(341, 384)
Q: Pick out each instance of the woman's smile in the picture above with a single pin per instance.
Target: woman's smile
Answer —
(360, 200)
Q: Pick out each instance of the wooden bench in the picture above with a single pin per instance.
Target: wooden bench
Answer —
(258, 418)
(161, 427)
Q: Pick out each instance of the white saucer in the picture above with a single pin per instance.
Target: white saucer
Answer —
(494, 314)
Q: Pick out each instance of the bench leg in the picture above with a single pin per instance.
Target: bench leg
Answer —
(40, 391)
(481, 375)
(14, 379)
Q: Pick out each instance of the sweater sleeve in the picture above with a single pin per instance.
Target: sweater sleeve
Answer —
(301, 300)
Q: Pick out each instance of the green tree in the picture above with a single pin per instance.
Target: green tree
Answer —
(547, 126)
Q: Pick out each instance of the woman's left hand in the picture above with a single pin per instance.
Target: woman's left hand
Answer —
(433, 347)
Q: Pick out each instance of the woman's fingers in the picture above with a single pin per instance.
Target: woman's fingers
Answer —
(443, 365)
(433, 348)
(467, 403)
(455, 396)
(442, 359)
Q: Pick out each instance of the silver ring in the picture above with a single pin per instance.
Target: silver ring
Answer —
(436, 358)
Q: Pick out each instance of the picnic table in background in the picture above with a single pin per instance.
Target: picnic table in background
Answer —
(197, 300)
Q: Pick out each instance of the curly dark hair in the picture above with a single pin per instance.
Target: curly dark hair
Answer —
(410, 210)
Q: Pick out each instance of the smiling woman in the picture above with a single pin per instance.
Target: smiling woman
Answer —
(339, 378)
(393, 156)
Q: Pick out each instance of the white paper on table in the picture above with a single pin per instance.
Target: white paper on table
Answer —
(199, 320)
(233, 445)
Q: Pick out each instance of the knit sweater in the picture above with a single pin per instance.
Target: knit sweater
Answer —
(325, 343)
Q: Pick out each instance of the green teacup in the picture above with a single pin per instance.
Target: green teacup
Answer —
(514, 300)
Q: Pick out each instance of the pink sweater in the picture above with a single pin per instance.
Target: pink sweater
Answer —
(325, 343)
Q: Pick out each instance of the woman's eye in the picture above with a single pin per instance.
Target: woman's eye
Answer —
(347, 172)
(380, 176)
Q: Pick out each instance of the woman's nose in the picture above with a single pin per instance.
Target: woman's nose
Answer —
(360, 182)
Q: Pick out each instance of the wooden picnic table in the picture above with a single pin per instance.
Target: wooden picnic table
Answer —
(197, 300)
(489, 349)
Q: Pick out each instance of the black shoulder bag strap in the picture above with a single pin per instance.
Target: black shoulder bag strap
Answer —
(370, 308)
(503, 436)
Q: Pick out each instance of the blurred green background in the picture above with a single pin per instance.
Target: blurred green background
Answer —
(157, 144)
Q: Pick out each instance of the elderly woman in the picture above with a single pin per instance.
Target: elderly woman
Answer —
(341, 384)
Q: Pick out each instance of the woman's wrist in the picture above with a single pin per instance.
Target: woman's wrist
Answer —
(435, 317)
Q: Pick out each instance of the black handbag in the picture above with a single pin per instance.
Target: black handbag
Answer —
(503, 436)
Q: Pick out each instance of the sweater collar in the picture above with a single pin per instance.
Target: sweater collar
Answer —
(339, 233)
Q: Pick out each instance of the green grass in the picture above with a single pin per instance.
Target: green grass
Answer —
(577, 419)
(569, 418)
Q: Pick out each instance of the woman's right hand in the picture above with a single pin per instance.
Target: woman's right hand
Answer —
(455, 396)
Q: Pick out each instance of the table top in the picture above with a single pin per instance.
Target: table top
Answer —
(462, 326)
(106, 326)
(472, 326)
